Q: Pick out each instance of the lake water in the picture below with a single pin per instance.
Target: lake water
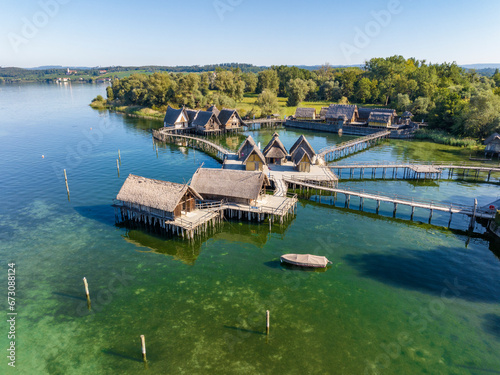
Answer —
(400, 298)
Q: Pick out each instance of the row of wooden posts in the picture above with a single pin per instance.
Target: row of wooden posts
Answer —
(142, 337)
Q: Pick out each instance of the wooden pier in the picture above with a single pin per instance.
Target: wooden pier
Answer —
(265, 123)
(349, 147)
(472, 211)
(415, 170)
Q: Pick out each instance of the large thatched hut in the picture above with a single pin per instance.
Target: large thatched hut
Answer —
(380, 119)
(177, 118)
(275, 152)
(302, 160)
(230, 119)
(232, 185)
(160, 199)
(206, 122)
(305, 113)
(250, 155)
(304, 143)
(342, 113)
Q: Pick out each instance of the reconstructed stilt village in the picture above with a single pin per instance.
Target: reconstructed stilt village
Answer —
(258, 184)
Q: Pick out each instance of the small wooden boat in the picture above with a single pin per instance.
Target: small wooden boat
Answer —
(305, 260)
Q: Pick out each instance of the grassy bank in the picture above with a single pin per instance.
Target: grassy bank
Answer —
(439, 136)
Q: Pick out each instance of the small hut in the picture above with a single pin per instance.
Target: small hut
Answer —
(492, 144)
(246, 147)
(302, 160)
(342, 113)
(214, 109)
(305, 114)
(302, 143)
(275, 152)
(206, 122)
(155, 198)
(177, 118)
(230, 119)
(255, 160)
(231, 185)
(380, 119)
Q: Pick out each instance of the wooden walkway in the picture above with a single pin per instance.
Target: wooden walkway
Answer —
(355, 145)
(194, 142)
(473, 211)
(415, 170)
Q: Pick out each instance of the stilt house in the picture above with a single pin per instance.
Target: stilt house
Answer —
(305, 114)
(177, 118)
(231, 185)
(206, 122)
(492, 144)
(230, 119)
(275, 152)
(342, 113)
(251, 156)
(161, 200)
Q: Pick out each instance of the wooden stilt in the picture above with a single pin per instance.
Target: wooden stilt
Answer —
(143, 348)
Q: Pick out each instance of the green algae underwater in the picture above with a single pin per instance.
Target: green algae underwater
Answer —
(400, 297)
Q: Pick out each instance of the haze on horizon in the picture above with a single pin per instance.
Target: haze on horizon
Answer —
(196, 32)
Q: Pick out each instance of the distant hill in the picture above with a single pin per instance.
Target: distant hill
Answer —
(481, 66)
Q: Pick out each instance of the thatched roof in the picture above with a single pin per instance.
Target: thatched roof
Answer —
(336, 111)
(275, 152)
(383, 118)
(300, 154)
(275, 143)
(192, 113)
(204, 117)
(214, 109)
(226, 114)
(172, 115)
(302, 142)
(161, 195)
(305, 113)
(364, 112)
(407, 114)
(254, 150)
(228, 183)
(247, 145)
(323, 111)
(491, 138)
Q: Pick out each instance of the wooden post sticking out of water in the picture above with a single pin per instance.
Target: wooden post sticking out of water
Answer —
(143, 347)
(267, 322)
(119, 157)
(87, 291)
(118, 167)
(66, 180)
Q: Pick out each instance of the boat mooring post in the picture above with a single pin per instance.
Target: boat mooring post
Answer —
(119, 157)
(267, 322)
(118, 167)
(66, 180)
(143, 347)
(87, 291)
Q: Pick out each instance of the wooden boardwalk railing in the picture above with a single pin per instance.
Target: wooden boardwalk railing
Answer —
(345, 148)
(451, 208)
(166, 137)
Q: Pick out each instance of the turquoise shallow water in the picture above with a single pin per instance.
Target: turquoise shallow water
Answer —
(400, 297)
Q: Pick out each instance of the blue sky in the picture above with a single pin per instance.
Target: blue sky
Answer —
(198, 32)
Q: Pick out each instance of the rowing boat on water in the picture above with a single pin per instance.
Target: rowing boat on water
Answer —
(305, 260)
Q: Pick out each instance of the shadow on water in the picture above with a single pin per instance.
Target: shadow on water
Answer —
(245, 330)
(491, 325)
(71, 296)
(120, 355)
(102, 213)
(434, 272)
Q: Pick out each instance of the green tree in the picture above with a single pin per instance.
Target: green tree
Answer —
(363, 90)
(403, 102)
(481, 117)
(268, 80)
(251, 81)
(297, 91)
(268, 102)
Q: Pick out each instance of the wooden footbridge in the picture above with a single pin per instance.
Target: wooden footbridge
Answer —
(193, 142)
(452, 208)
(355, 145)
(415, 170)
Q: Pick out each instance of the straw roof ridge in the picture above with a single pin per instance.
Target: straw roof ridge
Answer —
(491, 138)
(336, 111)
(275, 142)
(248, 141)
(380, 117)
(302, 142)
(214, 109)
(305, 112)
(161, 195)
(299, 155)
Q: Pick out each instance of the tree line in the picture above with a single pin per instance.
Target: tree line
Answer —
(449, 98)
